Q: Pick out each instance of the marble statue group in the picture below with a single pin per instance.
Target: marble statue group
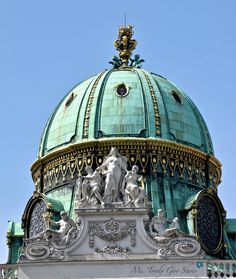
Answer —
(119, 185)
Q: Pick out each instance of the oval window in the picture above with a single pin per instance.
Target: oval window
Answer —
(122, 90)
(70, 99)
(209, 227)
(176, 97)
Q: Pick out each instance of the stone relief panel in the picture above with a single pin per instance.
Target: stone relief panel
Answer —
(112, 231)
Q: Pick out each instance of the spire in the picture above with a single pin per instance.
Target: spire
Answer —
(124, 44)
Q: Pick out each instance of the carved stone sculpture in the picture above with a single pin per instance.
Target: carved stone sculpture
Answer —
(61, 236)
(50, 244)
(111, 184)
(114, 168)
(133, 193)
(67, 227)
(162, 228)
(173, 243)
(90, 188)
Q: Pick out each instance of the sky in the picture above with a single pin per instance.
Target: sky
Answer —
(49, 46)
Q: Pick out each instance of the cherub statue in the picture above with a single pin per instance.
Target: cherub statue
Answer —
(90, 187)
(134, 193)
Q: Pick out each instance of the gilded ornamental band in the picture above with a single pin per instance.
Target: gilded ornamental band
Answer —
(148, 153)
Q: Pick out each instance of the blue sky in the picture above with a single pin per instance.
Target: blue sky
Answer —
(49, 46)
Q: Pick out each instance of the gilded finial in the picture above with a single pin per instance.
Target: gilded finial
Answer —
(125, 44)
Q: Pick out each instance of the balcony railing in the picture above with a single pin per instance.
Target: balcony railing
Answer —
(8, 271)
(221, 268)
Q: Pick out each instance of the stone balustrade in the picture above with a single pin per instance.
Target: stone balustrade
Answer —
(8, 271)
(221, 268)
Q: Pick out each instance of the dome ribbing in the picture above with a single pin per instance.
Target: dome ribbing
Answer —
(149, 106)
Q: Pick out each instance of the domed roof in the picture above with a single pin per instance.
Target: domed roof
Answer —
(125, 102)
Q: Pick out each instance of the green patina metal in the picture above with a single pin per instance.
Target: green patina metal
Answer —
(135, 114)
(230, 236)
(231, 225)
(64, 196)
(56, 205)
(14, 241)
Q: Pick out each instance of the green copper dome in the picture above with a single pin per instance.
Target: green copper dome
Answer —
(125, 102)
(145, 121)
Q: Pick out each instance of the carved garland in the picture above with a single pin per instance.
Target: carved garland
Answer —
(112, 231)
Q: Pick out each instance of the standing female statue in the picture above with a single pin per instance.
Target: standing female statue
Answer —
(114, 167)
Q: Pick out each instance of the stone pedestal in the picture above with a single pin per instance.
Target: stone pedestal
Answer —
(113, 233)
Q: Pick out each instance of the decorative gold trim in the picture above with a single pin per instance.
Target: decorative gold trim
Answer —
(71, 160)
(210, 191)
(36, 194)
(194, 213)
(89, 106)
(155, 105)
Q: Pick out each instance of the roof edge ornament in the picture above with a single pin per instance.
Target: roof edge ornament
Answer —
(125, 44)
